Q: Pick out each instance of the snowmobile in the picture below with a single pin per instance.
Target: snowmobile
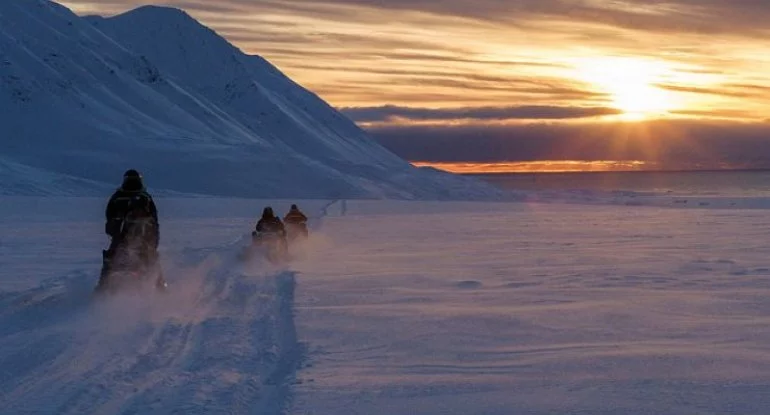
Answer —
(296, 231)
(272, 244)
(131, 264)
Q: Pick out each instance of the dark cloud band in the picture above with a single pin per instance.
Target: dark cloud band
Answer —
(670, 143)
(391, 112)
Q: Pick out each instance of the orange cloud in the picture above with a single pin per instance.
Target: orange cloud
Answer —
(495, 52)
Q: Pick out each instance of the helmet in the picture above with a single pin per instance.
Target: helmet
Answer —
(132, 173)
(294, 207)
(132, 181)
(268, 212)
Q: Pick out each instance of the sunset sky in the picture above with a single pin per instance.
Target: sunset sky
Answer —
(673, 83)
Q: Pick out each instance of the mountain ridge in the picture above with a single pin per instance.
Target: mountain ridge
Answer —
(88, 97)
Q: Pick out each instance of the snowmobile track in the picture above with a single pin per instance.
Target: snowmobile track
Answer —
(228, 345)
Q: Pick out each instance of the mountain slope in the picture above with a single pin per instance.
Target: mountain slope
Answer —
(155, 90)
(258, 95)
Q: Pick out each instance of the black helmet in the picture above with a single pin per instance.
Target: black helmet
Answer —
(294, 207)
(132, 173)
(268, 212)
(132, 181)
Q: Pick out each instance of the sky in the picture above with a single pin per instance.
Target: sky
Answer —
(655, 83)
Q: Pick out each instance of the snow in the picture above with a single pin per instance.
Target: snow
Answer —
(576, 302)
(538, 309)
(223, 340)
(396, 307)
(84, 99)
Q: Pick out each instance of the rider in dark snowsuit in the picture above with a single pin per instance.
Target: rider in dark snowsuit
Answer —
(270, 228)
(131, 217)
(269, 223)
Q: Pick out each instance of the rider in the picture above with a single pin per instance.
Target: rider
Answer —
(296, 218)
(269, 223)
(131, 210)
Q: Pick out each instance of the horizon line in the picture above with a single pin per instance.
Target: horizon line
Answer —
(572, 166)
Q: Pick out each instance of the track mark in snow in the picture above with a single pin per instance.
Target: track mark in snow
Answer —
(515, 285)
(221, 341)
(469, 285)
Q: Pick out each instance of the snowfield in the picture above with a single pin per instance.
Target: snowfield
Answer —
(223, 340)
(396, 308)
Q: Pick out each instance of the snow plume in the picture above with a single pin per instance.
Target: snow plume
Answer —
(217, 331)
(84, 99)
(182, 303)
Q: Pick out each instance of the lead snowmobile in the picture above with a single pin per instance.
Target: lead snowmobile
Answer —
(132, 261)
(131, 266)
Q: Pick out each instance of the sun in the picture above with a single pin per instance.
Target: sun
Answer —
(631, 84)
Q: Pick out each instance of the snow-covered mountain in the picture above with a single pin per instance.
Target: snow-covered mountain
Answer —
(83, 99)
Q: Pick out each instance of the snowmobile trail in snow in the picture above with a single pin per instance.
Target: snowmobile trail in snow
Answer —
(222, 340)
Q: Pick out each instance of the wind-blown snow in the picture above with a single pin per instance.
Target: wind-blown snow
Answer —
(152, 89)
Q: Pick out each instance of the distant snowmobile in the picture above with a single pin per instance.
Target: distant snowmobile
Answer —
(296, 225)
(272, 244)
(269, 237)
(296, 232)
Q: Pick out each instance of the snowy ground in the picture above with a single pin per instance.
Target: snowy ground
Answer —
(398, 308)
(222, 341)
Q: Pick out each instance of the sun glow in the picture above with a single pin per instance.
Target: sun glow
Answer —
(540, 166)
(631, 85)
